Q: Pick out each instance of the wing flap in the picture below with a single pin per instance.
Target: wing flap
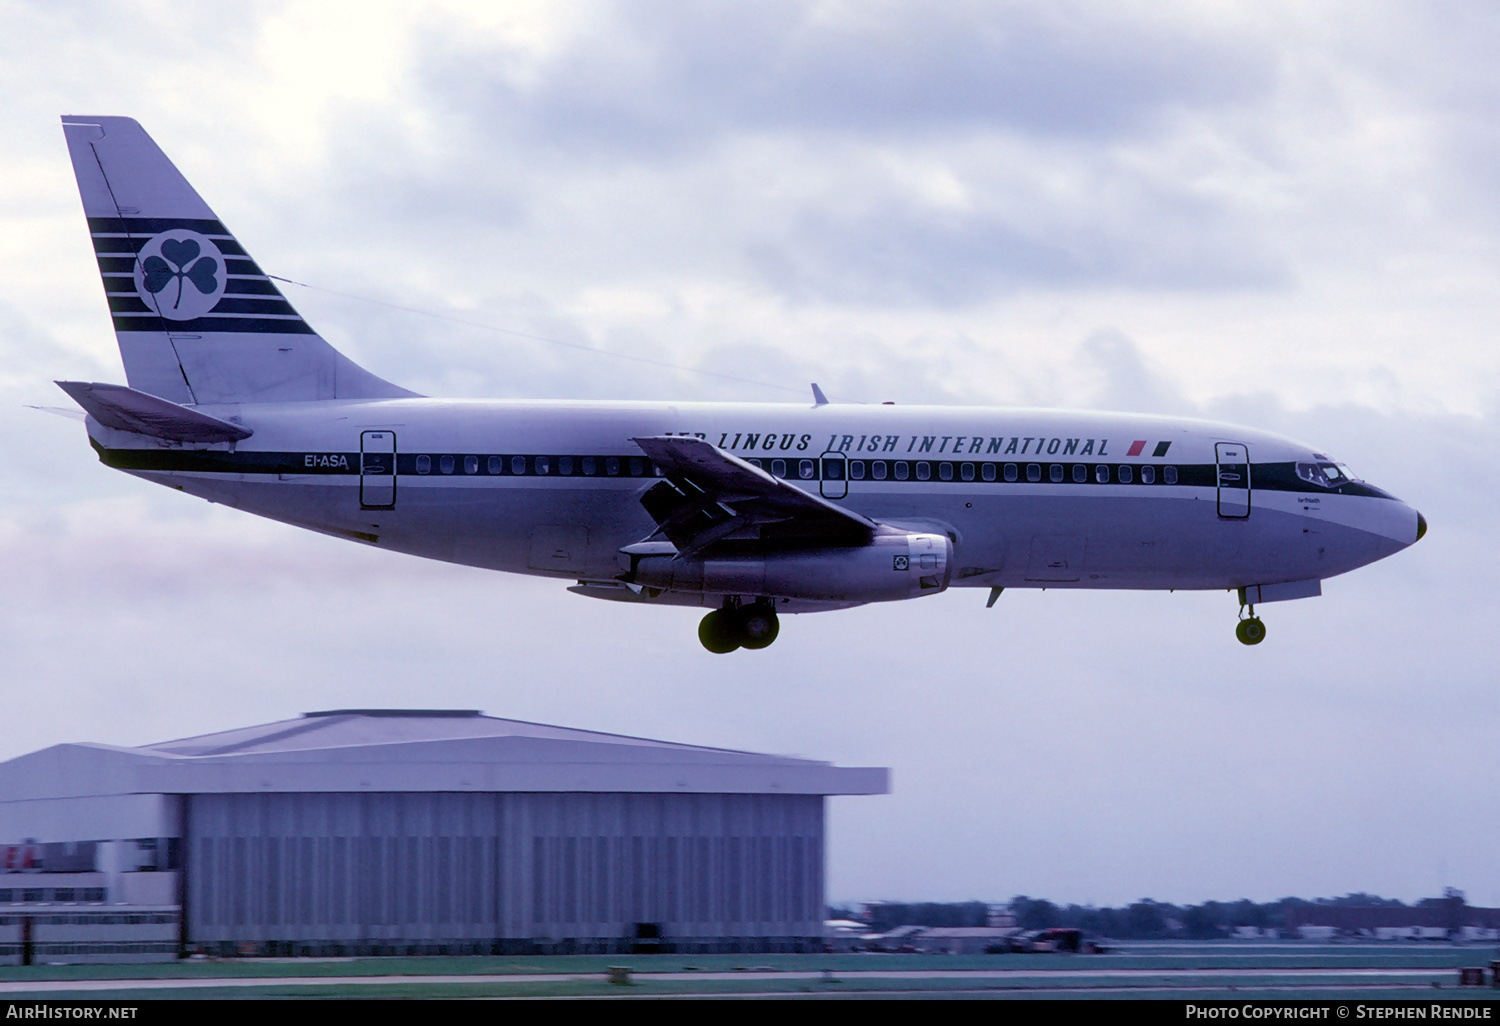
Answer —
(710, 494)
(127, 409)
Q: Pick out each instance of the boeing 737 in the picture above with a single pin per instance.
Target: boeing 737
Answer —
(748, 510)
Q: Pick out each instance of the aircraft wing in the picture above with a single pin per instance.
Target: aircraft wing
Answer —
(709, 495)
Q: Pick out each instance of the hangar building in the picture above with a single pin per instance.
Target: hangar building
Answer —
(374, 831)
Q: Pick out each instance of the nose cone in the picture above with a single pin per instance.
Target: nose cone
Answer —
(1394, 525)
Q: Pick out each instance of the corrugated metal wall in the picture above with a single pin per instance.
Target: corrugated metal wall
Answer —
(362, 873)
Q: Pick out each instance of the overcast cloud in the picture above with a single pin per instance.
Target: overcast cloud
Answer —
(1277, 214)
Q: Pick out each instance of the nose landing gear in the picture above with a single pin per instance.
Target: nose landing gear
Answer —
(1250, 630)
(736, 626)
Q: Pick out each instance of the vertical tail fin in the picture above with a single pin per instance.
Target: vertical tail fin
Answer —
(197, 320)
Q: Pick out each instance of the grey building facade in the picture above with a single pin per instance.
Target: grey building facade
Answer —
(408, 831)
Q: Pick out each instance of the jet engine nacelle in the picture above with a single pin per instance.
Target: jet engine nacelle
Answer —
(890, 566)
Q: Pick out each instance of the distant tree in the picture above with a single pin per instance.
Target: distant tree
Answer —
(1146, 920)
(887, 915)
(1106, 922)
(1360, 899)
(1247, 913)
(1034, 913)
(1207, 921)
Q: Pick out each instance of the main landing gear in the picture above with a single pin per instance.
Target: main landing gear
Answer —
(1250, 630)
(736, 626)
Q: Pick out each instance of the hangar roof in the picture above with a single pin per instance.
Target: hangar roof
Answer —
(418, 750)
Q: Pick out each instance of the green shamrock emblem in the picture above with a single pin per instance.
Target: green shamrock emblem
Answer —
(179, 259)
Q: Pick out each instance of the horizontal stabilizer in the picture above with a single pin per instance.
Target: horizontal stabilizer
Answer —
(127, 409)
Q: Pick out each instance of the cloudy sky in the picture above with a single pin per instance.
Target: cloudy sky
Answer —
(1285, 215)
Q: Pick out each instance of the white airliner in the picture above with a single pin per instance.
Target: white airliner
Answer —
(749, 510)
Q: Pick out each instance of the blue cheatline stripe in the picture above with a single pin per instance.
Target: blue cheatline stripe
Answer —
(230, 305)
(130, 303)
(251, 287)
(1279, 477)
(244, 267)
(210, 324)
(155, 225)
(115, 244)
(124, 285)
(121, 254)
(119, 244)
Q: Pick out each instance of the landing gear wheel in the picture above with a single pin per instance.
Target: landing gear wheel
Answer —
(719, 632)
(1250, 631)
(758, 626)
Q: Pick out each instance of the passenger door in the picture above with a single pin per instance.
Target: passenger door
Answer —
(1234, 479)
(377, 470)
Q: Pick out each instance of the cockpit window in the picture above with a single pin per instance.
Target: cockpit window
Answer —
(1324, 474)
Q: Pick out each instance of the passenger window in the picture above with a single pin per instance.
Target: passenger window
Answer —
(945, 471)
(1080, 473)
(565, 465)
(902, 470)
(755, 463)
(1011, 472)
(518, 464)
(471, 464)
(924, 470)
(495, 465)
(611, 465)
(590, 466)
(856, 470)
(1033, 471)
(637, 466)
(805, 469)
(543, 464)
(424, 464)
(1101, 474)
(445, 464)
(877, 470)
(1169, 475)
(1125, 473)
(1148, 475)
(778, 467)
(1055, 472)
(989, 472)
(967, 472)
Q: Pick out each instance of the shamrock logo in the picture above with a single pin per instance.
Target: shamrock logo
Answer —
(190, 262)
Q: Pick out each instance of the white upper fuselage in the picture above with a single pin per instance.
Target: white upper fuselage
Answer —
(554, 488)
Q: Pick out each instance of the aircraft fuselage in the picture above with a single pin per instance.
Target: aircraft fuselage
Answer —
(1030, 498)
(750, 510)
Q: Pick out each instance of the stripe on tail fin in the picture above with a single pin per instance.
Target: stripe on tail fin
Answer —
(197, 320)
